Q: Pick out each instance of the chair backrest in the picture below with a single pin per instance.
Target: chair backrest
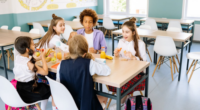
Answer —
(62, 97)
(165, 46)
(9, 94)
(4, 27)
(76, 19)
(145, 27)
(108, 23)
(152, 23)
(34, 31)
(16, 28)
(68, 30)
(174, 26)
(39, 26)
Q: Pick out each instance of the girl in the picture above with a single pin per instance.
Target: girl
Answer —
(25, 73)
(95, 38)
(132, 48)
(53, 35)
(51, 39)
(76, 74)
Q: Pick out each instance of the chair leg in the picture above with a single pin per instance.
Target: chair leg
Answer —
(161, 61)
(105, 33)
(149, 54)
(109, 101)
(0, 56)
(177, 59)
(156, 67)
(132, 95)
(190, 66)
(141, 93)
(171, 67)
(9, 108)
(175, 64)
(38, 107)
(8, 53)
(192, 71)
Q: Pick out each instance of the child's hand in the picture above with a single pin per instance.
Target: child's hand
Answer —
(116, 52)
(129, 55)
(92, 50)
(43, 53)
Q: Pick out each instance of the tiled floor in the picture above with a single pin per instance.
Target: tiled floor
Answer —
(164, 93)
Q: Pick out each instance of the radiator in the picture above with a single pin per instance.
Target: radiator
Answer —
(196, 32)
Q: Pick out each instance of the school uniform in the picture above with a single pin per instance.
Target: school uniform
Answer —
(129, 46)
(25, 81)
(96, 39)
(76, 76)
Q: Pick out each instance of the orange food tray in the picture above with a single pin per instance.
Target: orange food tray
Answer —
(55, 66)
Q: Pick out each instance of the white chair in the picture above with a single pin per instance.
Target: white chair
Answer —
(39, 26)
(149, 28)
(35, 31)
(76, 19)
(152, 23)
(175, 26)
(165, 47)
(68, 30)
(62, 97)
(10, 96)
(4, 27)
(16, 28)
(108, 24)
(195, 56)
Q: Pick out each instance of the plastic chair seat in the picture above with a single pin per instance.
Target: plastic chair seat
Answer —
(194, 55)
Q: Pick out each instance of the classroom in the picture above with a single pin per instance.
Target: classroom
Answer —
(99, 54)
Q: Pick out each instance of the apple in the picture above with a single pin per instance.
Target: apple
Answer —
(37, 54)
(53, 60)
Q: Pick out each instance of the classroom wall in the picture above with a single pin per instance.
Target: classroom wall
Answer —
(17, 13)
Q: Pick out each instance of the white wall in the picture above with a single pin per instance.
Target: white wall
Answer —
(24, 6)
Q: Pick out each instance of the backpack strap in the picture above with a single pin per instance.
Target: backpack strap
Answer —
(130, 103)
(145, 103)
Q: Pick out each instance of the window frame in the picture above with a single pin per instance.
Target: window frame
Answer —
(184, 11)
(107, 8)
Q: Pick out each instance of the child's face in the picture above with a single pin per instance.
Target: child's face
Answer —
(127, 33)
(60, 27)
(88, 23)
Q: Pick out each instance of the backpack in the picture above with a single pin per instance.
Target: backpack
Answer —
(138, 103)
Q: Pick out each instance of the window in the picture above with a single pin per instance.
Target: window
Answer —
(191, 9)
(128, 7)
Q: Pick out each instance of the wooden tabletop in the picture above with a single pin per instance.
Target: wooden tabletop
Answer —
(114, 17)
(74, 24)
(177, 36)
(121, 71)
(164, 20)
(7, 37)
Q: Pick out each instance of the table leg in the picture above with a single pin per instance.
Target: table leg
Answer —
(4, 62)
(96, 85)
(112, 43)
(118, 98)
(147, 82)
(181, 58)
(189, 52)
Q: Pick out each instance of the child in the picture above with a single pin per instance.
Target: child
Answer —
(76, 74)
(56, 28)
(95, 38)
(25, 71)
(51, 39)
(132, 48)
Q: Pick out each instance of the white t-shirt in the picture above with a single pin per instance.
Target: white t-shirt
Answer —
(89, 38)
(96, 67)
(21, 70)
(129, 46)
(53, 41)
